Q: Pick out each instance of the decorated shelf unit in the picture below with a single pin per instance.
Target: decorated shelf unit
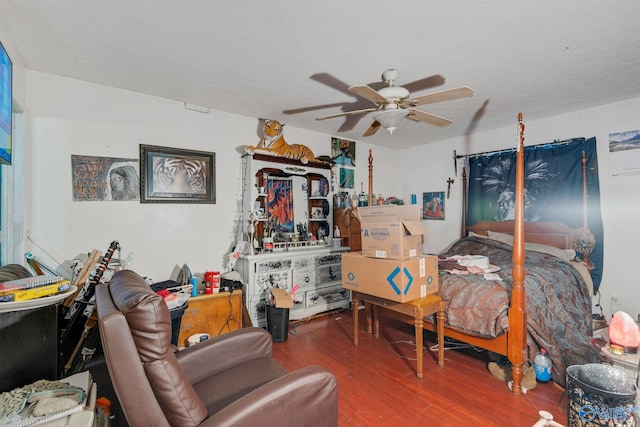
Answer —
(318, 272)
(289, 200)
(291, 206)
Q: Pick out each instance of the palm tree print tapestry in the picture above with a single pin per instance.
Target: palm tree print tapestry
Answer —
(553, 188)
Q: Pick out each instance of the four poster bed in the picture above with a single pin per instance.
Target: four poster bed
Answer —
(543, 301)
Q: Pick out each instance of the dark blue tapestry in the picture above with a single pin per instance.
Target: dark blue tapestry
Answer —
(553, 189)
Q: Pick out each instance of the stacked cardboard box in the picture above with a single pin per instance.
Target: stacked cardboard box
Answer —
(391, 231)
(391, 264)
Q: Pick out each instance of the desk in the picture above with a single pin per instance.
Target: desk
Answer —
(212, 314)
(417, 309)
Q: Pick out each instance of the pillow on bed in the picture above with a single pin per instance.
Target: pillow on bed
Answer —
(482, 236)
(585, 273)
(567, 254)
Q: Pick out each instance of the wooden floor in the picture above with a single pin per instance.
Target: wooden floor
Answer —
(378, 386)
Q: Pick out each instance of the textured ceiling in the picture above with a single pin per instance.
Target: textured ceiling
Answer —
(271, 59)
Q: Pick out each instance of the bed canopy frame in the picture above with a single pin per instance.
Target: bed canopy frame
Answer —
(512, 344)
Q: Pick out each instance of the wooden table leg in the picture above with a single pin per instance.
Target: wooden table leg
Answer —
(415, 308)
(375, 310)
(441, 335)
(355, 308)
(418, 326)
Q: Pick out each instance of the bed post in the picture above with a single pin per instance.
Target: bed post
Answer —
(370, 178)
(585, 223)
(517, 343)
(463, 232)
(586, 254)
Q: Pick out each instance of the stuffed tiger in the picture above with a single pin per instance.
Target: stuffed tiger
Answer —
(273, 142)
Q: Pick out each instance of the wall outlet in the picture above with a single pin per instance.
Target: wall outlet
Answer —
(615, 299)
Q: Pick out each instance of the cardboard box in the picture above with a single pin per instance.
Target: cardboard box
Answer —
(395, 280)
(391, 231)
(280, 298)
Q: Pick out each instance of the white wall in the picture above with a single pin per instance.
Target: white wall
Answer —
(619, 195)
(67, 117)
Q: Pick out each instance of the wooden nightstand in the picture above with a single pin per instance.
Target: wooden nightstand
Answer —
(213, 314)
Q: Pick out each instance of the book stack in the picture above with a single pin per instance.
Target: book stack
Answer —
(32, 287)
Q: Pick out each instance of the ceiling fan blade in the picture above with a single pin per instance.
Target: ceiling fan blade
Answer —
(421, 116)
(317, 107)
(445, 95)
(373, 128)
(426, 83)
(370, 94)
(328, 80)
(348, 113)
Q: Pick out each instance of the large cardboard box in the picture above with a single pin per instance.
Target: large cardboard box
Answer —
(396, 280)
(391, 231)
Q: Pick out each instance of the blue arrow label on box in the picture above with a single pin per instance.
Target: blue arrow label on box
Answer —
(391, 279)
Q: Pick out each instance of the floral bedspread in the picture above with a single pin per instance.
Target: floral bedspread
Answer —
(557, 298)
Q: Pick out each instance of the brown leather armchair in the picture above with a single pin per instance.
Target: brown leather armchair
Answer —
(229, 380)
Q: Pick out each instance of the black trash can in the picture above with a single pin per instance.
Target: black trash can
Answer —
(176, 320)
(176, 313)
(599, 395)
(278, 323)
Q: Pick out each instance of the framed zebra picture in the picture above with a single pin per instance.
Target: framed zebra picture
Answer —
(176, 175)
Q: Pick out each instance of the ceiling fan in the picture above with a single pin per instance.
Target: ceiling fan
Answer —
(393, 104)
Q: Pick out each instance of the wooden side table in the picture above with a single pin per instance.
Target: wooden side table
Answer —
(417, 309)
(212, 314)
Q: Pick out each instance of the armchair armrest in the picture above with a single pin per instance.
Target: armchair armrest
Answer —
(308, 396)
(226, 350)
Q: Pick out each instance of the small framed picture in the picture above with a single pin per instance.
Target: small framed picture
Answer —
(316, 212)
(433, 205)
(347, 177)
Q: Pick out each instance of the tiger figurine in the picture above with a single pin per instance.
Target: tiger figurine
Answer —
(273, 141)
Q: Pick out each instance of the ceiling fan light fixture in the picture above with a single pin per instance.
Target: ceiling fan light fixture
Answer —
(389, 119)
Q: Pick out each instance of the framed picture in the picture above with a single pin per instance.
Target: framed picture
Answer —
(104, 178)
(175, 175)
(280, 205)
(347, 178)
(343, 151)
(317, 213)
(433, 205)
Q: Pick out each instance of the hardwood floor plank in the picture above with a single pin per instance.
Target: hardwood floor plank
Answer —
(378, 385)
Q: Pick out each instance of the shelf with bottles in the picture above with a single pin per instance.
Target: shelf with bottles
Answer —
(320, 229)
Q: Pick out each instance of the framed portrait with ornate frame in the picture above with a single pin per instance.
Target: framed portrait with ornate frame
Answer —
(176, 175)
